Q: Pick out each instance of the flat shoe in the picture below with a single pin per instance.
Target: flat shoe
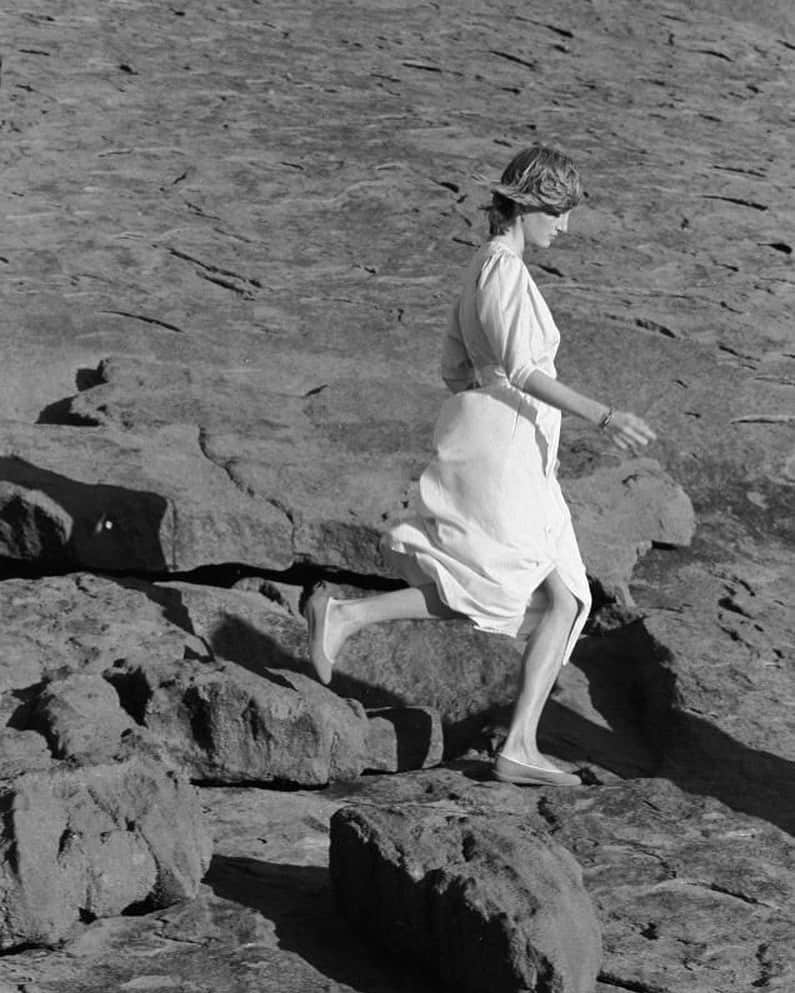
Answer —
(317, 617)
(510, 771)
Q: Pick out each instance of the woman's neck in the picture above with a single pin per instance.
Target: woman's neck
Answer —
(514, 237)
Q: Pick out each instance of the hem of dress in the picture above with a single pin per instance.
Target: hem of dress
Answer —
(511, 630)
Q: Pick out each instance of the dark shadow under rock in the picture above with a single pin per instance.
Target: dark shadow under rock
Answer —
(61, 412)
(403, 738)
(635, 681)
(50, 518)
(298, 900)
(704, 760)
(484, 903)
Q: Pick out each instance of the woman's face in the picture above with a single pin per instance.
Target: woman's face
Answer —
(540, 229)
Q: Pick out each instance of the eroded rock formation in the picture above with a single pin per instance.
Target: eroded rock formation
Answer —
(91, 842)
(483, 905)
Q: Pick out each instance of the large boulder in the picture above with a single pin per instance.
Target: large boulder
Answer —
(22, 751)
(447, 666)
(81, 718)
(230, 657)
(620, 512)
(80, 623)
(689, 893)
(221, 723)
(483, 906)
(78, 844)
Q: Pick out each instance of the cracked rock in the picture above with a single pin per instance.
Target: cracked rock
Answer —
(92, 842)
(224, 724)
(483, 907)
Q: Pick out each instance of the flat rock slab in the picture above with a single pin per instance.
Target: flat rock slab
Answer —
(482, 906)
(73, 497)
(296, 215)
(188, 495)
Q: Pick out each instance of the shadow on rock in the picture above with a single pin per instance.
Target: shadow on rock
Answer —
(616, 708)
(608, 708)
(632, 682)
(572, 738)
(168, 599)
(413, 733)
(61, 412)
(703, 759)
(50, 518)
(236, 640)
(299, 901)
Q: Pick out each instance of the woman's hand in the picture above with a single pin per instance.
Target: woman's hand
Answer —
(628, 431)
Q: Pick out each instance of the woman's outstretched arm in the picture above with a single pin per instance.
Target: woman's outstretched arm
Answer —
(627, 430)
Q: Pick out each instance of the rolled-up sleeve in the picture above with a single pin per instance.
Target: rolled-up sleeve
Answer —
(456, 367)
(506, 316)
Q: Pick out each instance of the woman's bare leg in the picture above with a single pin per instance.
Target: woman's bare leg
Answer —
(543, 657)
(346, 617)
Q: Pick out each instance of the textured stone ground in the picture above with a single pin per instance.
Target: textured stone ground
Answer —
(230, 235)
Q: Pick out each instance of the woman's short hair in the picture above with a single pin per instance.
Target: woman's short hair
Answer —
(538, 178)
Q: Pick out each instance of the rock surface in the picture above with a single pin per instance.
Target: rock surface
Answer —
(721, 630)
(222, 724)
(230, 238)
(93, 842)
(620, 512)
(81, 718)
(403, 738)
(484, 906)
(690, 895)
(210, 677)
(141, 501)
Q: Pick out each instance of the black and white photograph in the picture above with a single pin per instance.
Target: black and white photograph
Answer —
(397, 496)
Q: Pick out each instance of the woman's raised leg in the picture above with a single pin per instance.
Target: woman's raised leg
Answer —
(543, 657)
(332, 621)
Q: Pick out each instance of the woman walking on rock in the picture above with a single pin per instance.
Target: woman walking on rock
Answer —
(493, 535)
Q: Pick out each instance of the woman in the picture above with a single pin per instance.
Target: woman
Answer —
(493, 537)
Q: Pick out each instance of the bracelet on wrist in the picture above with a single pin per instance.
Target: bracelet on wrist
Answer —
(607, 418)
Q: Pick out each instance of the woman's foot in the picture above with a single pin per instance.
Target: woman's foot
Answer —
(327, 632)
(542, 774)
(317, 610)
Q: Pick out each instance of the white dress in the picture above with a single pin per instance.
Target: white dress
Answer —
(491, 522)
